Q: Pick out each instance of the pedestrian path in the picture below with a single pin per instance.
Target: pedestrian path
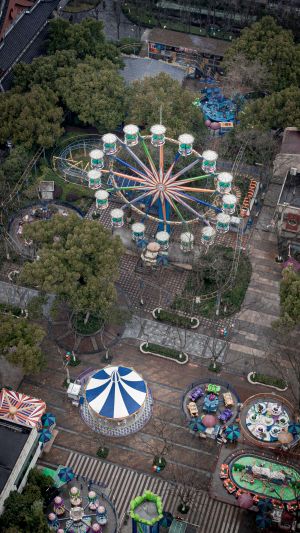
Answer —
(191, 342)
(124, 484)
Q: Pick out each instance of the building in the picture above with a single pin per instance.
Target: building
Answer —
(199, 55)
(287, 214)
(24, 37)
(20, 448)
(9, 11)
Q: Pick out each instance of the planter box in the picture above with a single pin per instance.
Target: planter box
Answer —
(191, 318)
(264, 384)
(183, 362)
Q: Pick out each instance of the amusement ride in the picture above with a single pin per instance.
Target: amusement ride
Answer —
(167, 188)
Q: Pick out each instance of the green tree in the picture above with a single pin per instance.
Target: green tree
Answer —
(85, 39)
(24, 512)
(44, 70)
(267, 42)
(78, 260)
(20, 343)
(146, 97)
(30, 119)
(279, 110)
(290, 295)
(95, 92)
(12, 168)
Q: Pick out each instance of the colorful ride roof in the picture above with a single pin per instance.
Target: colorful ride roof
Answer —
(116, 392)
(20, 408)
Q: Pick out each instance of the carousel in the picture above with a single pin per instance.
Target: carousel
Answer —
(21, 408)
(116, 402)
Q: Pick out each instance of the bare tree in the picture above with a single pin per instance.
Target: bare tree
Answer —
(243, 75)
(184, 485)
(160, 443)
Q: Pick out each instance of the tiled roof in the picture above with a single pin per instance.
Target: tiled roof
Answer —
(17, 41)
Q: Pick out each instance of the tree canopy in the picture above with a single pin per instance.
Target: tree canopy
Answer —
(290, 295)
(147, 96)
(271, 45)
(78, 260)
(31, 119)
(85, 39)
(279, 110)
(44, 70)
(24, 512)
(20, 343)
(95, 91)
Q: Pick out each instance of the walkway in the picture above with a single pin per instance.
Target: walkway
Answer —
(262, 303)
(190, 341)
(124, 484)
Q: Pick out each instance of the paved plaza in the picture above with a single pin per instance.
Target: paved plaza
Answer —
(191, 342)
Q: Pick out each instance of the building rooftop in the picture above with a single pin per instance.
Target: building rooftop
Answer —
(13, 439)
(291, 141)
(187, 40)
(290, 193)
(137, 68)
(22, 34)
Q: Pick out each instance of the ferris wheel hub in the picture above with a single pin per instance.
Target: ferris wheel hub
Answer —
(161, 187)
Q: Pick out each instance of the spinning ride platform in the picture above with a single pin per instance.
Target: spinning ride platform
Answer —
(266, 420)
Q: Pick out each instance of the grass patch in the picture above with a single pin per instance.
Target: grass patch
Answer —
(93, 324)
(211, 276)
(174, 319)
(268, 380)
(171, 353)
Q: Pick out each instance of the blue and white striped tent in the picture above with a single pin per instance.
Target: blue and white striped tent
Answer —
(116, 392)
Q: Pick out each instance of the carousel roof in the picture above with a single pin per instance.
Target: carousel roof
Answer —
(20, 408)
(116, 392)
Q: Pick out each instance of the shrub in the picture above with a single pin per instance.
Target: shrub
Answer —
(102, 452)
(13, 309)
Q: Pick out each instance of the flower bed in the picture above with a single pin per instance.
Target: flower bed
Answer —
(267, 381)
(163, 351)
(175, 319)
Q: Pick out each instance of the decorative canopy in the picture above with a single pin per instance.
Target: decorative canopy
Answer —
(20, 408)
(116, 392)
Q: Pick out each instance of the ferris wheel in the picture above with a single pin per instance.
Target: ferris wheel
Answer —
(163, 179)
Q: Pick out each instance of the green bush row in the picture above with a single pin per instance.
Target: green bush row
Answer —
(172, 353)
(175, 319)
(268, 380)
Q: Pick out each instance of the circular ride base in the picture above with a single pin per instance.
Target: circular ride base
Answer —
(216, 410)
(263, 417)
(263, 483)
(83, 526)
(105, 427)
